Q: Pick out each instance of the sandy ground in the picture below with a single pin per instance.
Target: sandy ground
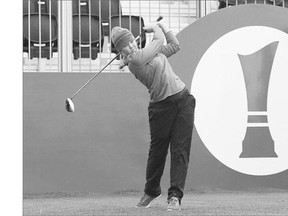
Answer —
(122, 203)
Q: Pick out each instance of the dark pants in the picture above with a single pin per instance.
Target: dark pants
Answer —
(171, 122)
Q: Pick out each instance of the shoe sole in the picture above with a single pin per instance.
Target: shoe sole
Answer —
(171, 210)
(149, 203)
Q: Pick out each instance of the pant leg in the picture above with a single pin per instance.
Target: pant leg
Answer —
(181, 137)
(161, 118)
(155, 166)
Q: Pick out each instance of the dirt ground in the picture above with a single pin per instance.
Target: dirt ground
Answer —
(122, 203)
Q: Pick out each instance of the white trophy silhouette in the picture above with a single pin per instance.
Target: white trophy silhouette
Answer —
(258, 142)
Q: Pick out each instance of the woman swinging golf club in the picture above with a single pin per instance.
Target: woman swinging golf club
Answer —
(171, 109)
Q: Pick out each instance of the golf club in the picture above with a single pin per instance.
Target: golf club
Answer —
(69, 103)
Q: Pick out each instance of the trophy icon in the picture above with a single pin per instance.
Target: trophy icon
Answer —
(258, 142)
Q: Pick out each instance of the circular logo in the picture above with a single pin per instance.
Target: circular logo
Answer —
(241, 88)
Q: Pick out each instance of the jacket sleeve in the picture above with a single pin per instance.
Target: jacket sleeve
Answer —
(172, 45)
(144, 55)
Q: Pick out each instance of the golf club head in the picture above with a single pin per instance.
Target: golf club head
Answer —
(69, 105)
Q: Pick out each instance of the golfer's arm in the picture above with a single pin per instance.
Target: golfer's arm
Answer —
(172, 45)
(149, 52)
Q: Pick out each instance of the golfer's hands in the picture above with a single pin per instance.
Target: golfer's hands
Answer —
(150, 27)
(163, 27)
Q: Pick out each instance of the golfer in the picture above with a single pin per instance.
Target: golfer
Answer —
(171, 109)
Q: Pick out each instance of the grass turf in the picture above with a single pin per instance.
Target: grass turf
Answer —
(122, 203)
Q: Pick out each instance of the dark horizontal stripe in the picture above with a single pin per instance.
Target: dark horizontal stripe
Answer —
(257, 119)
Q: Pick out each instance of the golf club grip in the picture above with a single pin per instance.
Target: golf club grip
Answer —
(159, 18)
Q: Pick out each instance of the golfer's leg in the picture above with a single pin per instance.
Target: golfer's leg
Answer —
(155, 166)
(161, 118)
(180, 146)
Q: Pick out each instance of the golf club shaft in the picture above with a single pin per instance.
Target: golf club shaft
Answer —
(92, 78)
